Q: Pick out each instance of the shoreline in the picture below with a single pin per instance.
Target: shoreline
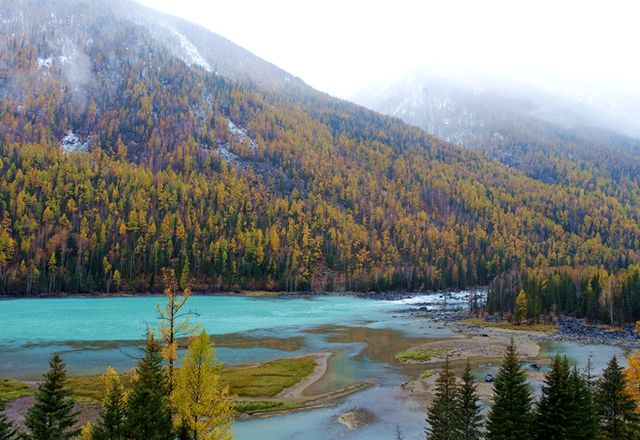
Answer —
(383, 295)
(296, 391)
(295, 394)
(483, 344)
(564, 330)
(16, 409)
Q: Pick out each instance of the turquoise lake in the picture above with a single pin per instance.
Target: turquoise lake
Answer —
(32, 329)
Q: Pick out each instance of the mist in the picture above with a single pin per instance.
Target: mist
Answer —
(338, 47)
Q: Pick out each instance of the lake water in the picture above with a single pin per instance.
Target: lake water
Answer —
(364, 334)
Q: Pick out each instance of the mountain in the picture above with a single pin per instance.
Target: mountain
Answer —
(548, 137)
(132, 141)
(456, 105)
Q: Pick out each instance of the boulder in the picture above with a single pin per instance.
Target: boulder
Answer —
(356, 418)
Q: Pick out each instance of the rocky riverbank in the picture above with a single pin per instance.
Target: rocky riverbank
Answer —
(577, 330)
(565, 329)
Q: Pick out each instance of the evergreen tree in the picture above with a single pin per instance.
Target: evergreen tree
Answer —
(614, 406)
(556, 406)
(583, 425)
(510, 415)
(7, 430)
(111, 421)
(148, 413)
(442, 415)
(469, 410)
(52, 416)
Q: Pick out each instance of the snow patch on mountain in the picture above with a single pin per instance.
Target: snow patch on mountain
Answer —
(45, 63)
(230, 157)
(72, 143)
(190, 53)
(239, 134)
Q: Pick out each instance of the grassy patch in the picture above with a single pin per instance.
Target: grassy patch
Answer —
(228, 340)
(427, 373)
(90, 389)
(547, 328)
(86, 389)
(267, 379)
(13, 389)
(418, 354)
(244, 406)
(264, 380)
(240, 341)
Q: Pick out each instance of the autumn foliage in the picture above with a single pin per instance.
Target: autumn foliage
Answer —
(251, 189)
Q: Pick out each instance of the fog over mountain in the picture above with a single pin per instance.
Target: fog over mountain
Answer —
(450, 103)
(521, 125)
(580, 50)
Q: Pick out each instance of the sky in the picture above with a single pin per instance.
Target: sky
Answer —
(341, 46)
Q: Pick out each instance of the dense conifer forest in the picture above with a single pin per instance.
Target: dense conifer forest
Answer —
(588, 292)
(572, 404)
(118, 158)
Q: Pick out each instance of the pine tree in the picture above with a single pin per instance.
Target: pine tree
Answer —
(205, 406)
(556, 406)
(510, 415)
(442, 414)
(52, 416)
(148, 413)
(469, 410)
(614, 406)
(112, 417)
(582, 419)
(7, 430)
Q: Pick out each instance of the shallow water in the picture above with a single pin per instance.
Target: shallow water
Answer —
(122, 318)
(581, 354)
(390, 405)
(364, 335)
(32, 329)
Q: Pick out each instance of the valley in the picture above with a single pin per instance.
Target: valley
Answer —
(195, 243)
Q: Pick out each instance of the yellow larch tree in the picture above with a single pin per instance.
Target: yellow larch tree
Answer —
(521, 307)
(632, 373)
(174, 322)
(204, 406)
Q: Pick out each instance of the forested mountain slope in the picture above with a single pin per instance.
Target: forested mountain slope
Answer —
(549, 137)
(120, 155)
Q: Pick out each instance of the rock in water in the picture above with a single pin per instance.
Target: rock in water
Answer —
(356, 418)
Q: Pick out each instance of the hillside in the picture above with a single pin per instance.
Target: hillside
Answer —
(546, 136)
(125, 149)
